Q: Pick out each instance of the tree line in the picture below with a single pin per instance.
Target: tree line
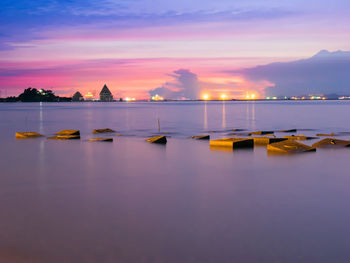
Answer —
(34, 95)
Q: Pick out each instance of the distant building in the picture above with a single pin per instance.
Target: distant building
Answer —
(77, 97)
(105, 94)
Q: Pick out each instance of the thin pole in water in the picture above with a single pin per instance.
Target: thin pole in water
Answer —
(158, 125)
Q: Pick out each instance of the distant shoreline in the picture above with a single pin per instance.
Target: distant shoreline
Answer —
(117, 101)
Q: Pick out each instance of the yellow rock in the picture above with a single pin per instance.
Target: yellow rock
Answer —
(233, 143)
(26, 135)
(266, 140)
(299, 137)
(68, 132)
(107, 130)
(102, 140)
(158, 139)
(289, 146)
(326, 134)
(291, 130)
(65, 137)
(262, 132)
(201, 137)
(330, 142)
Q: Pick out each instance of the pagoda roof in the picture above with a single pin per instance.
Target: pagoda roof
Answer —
(105, 90)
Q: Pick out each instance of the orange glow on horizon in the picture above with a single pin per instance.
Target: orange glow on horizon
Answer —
(205, 96)
(89, 96)
(223, 80)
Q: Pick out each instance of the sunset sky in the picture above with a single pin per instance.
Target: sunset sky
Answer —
(136, 46)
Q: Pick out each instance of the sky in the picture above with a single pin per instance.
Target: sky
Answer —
(180, 48)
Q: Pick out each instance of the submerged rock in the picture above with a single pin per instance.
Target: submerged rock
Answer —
(102, 140)
(266, 140)
(240, 133)
(289, 146)
(106, 130)
(291, 130)
(65, 137)
(300, 137)
(201, 137)
(68, 132)
(27, 135)
(157, 139)
(330, 143)
(234, 143)
(326, 134)
(261, 132)
(238, 130)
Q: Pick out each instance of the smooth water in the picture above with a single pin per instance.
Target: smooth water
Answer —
(131, 201)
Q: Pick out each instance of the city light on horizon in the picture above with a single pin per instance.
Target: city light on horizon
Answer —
(223, 96)
(129, 99)
(251, 96)
(206, 96)
(157, 98)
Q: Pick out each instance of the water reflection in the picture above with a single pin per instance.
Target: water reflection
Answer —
(42, 165)
(90, 161)
(250, 114)
(176, 203)
(205, 121)
(223, 115)
(89, 116)
(41, 124)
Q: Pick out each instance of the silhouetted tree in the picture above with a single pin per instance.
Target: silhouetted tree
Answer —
(77, 97)
(34, 95)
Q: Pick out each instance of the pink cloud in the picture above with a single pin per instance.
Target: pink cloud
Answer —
(125, 77)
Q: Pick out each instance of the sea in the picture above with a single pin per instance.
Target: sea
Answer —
(184, 202)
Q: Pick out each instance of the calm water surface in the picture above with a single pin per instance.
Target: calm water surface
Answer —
(131, 201)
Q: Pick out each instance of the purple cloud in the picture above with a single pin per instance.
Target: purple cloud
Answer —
(324, 73)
